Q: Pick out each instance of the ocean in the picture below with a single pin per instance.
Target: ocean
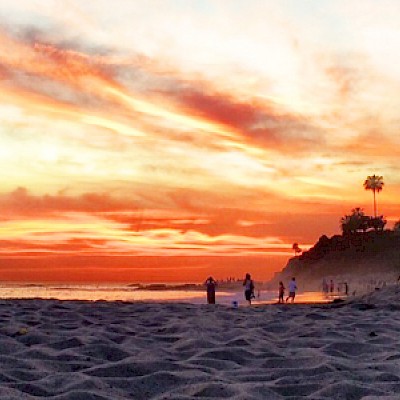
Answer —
(193, 294)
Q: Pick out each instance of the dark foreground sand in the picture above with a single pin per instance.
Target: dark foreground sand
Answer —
(84, 351)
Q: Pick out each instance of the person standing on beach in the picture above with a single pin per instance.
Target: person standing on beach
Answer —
(210, 284)
(332, 288)
(248, 288)
(281, 292)
(292, 290)
(324, 286)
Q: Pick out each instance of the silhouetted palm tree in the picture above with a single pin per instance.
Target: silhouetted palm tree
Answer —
(374, 183)
(296, 248)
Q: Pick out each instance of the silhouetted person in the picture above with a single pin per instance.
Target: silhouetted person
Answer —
(292, 290)
(332, 288)
(211, 284)
(281, 292)
(325, 286)
(248, 288)
(346, 288)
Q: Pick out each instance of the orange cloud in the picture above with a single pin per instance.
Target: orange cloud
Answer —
(71, 79)
(21, 203)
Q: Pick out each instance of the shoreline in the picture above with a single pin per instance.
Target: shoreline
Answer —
(158, 292)
(95, 293)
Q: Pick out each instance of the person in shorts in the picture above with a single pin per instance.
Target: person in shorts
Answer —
(292, 290)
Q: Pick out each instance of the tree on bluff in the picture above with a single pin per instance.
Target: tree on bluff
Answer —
(357, 221)
(353, 222)
(296, 249)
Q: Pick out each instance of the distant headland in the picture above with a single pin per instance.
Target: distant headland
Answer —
(365, 255)
(358, 258)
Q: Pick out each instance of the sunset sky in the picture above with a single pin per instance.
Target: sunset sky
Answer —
(167, 140)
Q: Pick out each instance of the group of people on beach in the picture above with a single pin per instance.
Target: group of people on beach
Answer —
(329, 287)
(249, 287)
(292, 286)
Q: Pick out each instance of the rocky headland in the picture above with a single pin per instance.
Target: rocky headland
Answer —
(364, 260)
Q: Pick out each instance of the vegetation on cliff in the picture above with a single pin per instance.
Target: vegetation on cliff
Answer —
(359, 254)
(363, 250)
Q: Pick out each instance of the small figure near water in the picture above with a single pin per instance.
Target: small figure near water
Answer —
(292, 290)
(332, 287)
(325, 287)
(346, 288)
(210, 284)
(281, 292)
(248, 288)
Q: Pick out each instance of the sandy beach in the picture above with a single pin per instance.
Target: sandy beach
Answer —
(76, 350)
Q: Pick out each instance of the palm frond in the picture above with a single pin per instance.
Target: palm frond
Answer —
(374, 183)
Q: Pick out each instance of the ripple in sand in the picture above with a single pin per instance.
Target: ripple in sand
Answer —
(81, 395)
(66, 343)
(58, 384)
(31, 339)
(260, 391)
(212, 364)
(160, 381)
(393, 357)
(116, 338)
(10, 346)
(31, 389)
(155, 384)
(297, 389)
(8, 393)
(23, 375)
(105, 353)
(130, 368)
(212, 391)
(312, 374)
(169, 339)
(294, 363)
(347, 390)
(239, 342)
(37, 354)
(316, 316)
(238, 356)
(275, 328)
(387, 377)
(191, 344)
(345, 349)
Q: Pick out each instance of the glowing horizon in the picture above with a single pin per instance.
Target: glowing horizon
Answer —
(167, 139)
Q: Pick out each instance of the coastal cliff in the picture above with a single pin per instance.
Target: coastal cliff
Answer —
(360, 259)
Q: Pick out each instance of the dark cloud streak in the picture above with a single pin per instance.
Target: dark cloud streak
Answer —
(21, 202)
